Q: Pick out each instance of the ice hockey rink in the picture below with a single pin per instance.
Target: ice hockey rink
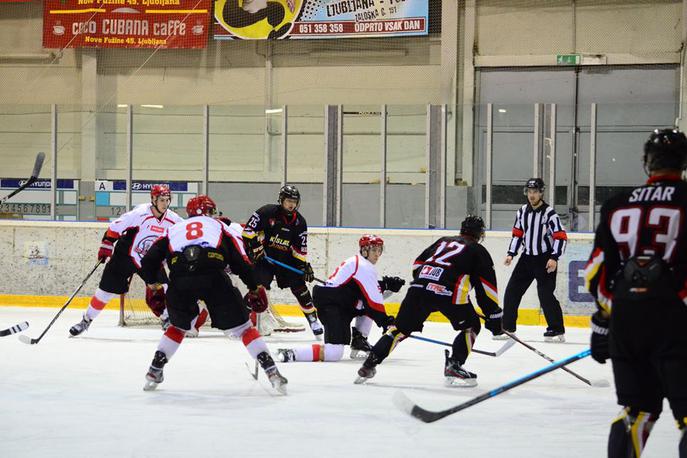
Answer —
(83, 397)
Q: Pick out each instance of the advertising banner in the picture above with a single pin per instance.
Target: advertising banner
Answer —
(126, 23)
(277, 19)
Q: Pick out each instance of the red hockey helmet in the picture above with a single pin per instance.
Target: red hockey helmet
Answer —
(159, 190)
(369, 240)
(201, 205)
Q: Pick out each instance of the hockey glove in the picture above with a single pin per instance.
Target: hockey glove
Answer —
(156, 300)
(600, 350)
(308, 274)
(494, 323)
(257, 253)
(393, 284)
(225, 220)
(390, 322)
(257, 299)
(106, 249)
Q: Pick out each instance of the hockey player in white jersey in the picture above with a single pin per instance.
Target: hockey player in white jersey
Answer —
(125, 242)
(197, 252)
(353, 291)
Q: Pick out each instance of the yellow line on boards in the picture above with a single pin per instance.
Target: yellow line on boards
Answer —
(532, 317)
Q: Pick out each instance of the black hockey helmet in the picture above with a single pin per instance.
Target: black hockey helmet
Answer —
(665, 149)
(472, 226)
(534, 183)
(289, 191)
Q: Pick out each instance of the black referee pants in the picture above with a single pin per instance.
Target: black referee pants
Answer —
(530, 268)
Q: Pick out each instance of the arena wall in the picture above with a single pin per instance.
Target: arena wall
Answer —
(43, 262)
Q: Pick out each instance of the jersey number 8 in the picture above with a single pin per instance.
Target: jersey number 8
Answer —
(194, 230)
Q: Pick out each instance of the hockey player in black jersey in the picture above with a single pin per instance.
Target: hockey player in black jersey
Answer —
(281, 232)
(443, 275)
(637, 273)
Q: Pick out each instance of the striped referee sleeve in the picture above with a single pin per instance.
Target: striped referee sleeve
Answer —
(518, 233)
(557, 232)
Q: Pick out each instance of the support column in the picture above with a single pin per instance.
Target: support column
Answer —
(332, 166)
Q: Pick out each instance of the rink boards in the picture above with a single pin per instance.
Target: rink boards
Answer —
(42, 263)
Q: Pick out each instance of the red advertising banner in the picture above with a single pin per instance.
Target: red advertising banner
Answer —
(126, 23)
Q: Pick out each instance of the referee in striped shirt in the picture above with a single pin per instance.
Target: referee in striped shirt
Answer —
(538, 230)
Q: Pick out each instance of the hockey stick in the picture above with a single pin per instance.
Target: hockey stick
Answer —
(496, 353)
(15, 329)
(27, 340)
(596, 383)
(32, 179)
(254, 373)
(405, 404)
(288, 267)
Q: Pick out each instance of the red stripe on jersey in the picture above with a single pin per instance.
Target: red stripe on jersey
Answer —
(487, 283)
(559, 235)
(455, 289)
(111, 234)
(249, 336)
(97, 303)
(316, 349)
(667, 177)
(167, 219)
(175, 334)
(299, 251)
(518, 232)
(595, 253)
(375, 305)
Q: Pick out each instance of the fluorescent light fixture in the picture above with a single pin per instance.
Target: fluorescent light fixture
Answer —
(502, 110)
(152, 106)
(273, 110)
(122, 105)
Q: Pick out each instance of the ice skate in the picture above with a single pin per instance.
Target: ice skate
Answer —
(360, 347)
(503, 336)
(554, 336)
(367, 370)
(285, 355)
(155, 376)
(456, 375)
(80, 327)
(277, 380)
(315, 325)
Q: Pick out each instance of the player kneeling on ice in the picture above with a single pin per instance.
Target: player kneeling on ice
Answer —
(443, 275)
(197, 251)
(353, 291)
(126, 241)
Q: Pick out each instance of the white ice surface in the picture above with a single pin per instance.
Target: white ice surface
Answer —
(83, 397)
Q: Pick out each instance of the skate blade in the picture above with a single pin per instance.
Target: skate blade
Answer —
(500, 337)
(460, 382)
(280, 387)
(150, 385)
(557, 339)
(361, 380)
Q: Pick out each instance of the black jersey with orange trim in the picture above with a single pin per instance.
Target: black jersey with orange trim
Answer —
(647, 221)
(452, 266)
(285, 237)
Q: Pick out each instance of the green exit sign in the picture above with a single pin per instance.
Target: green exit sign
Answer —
(568, 59)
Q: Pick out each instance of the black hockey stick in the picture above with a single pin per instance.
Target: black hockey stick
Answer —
(405, 404)
(15, 329)
(496, 353)
(596, 383)
(288, 267)
(32, 179)
(28, 340)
